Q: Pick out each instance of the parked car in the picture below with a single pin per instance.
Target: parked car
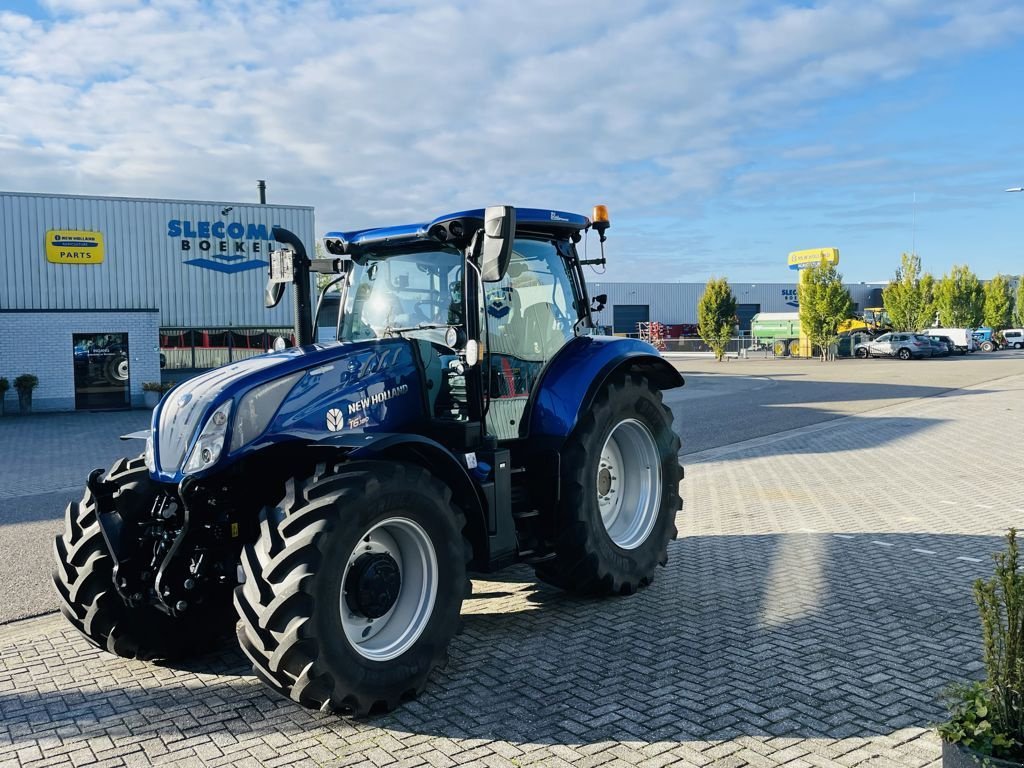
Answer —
(942, 346)
(962, 338)
(1014, 338)
(901, 345)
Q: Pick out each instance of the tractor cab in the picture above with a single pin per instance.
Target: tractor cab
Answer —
(487, 297)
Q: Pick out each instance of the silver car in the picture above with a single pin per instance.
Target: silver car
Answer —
(901, 345)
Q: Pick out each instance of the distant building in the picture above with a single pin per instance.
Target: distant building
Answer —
(675, 304)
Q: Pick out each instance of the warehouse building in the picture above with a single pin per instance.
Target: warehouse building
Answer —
(675, 304)
(101, 294)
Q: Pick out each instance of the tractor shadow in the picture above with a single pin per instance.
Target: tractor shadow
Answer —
(801, 635)
(806, 635)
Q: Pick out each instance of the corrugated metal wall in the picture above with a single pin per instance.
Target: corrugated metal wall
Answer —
(676, 303)
(144, 266)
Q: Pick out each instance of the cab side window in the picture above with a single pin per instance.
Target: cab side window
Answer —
(529, 317)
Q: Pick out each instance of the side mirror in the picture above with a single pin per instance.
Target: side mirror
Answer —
(597, 303)
(499, 234)
(273, 295)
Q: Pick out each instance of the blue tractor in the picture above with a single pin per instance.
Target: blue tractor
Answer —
(338, 493)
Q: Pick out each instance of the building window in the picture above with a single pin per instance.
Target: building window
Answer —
(198, 349)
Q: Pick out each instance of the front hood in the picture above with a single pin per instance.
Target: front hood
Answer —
(182, 413)
(186, 406)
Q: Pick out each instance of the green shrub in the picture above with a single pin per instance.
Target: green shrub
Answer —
(988, 716)
(26, 382)
(4, 385)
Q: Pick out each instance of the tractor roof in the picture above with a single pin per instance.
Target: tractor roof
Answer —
(454, 228)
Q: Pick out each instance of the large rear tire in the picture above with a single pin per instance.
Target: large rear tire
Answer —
(353, 589)
(620, 493)
(83, 575)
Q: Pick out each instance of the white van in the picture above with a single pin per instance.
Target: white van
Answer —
(1014, 338)
(962, 338)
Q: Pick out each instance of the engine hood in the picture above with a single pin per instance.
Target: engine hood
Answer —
(316, 373)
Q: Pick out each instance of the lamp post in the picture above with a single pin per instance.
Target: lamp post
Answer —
(1015, 189)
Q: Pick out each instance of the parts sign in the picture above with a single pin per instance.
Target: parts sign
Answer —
(73, 246)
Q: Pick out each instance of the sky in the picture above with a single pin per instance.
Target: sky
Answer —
(721, 134)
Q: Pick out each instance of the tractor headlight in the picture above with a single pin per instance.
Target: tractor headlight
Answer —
(210, 444)
(258, 407)
(150, 458)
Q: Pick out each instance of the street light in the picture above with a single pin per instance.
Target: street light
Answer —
(1015, 189)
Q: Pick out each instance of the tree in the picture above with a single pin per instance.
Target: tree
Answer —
(960, 299)
(909, 298)
(716, 315)
(998, 308)
(824, 304)
(1018, 304)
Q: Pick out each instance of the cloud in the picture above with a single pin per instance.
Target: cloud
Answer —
(395, 111)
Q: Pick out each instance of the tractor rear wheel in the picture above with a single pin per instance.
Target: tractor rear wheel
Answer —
(353, 589)
(620, 493)
(83, 575)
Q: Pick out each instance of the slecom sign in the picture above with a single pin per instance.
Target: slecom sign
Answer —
(223, 246)
(73, 246)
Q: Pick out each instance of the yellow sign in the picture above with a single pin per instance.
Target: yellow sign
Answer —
(812, 257)
(72, 246)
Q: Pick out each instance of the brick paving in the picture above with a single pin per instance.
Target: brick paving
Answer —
(813, 609)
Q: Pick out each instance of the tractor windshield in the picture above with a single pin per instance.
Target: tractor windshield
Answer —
(410, 294)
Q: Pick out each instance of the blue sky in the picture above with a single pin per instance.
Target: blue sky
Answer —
(721, 133)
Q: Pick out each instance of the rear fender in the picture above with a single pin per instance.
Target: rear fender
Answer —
(581, 370)
(432, 456)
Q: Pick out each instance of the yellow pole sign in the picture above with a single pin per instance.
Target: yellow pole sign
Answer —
(812, 257)
(802, 261)
(74, 246)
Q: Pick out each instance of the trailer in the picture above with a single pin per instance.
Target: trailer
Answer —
(778, 331)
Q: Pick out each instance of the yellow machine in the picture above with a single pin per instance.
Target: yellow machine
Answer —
(873, 320)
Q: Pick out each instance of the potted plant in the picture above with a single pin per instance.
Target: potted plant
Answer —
(151, 392)
(986, 723)
(25, 384)
(4, 386)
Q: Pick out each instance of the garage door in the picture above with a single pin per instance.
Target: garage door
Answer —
(626, 316)
(744, 312)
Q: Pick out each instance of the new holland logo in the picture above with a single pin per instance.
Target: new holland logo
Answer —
(335, 420)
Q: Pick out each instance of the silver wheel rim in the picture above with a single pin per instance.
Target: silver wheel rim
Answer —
(391, 635)
(121, 372)
(629, 484)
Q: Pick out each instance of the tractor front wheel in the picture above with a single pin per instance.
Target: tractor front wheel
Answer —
(620, 493)
(353, 589)
(83, 575)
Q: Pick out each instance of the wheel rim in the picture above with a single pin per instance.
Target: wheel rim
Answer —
(121, 371)
(389, 588)
(629, 484)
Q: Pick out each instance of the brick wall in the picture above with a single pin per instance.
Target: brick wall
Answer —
(40, 343)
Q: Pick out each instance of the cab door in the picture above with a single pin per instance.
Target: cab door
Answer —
(528, 316)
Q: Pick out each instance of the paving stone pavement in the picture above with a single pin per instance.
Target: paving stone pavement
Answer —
(814, 607)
